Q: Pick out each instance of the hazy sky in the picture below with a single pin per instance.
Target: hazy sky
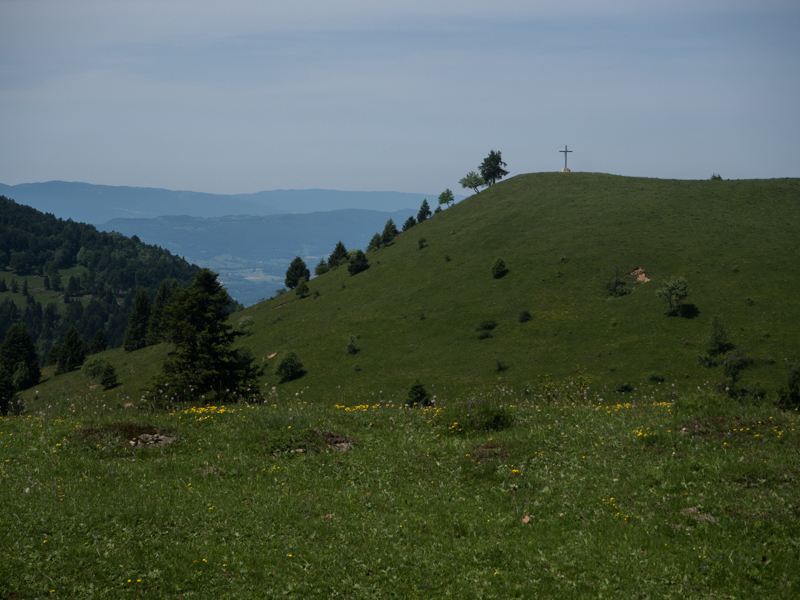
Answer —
(241, 96)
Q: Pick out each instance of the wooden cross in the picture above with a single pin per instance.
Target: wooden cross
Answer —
(565, 151)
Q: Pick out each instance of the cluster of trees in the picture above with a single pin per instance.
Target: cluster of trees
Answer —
(491, 170)
(38, 246)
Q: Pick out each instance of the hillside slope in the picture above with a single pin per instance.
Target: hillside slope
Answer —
(561, 236)
(415, 312)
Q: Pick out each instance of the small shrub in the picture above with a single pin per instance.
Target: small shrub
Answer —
(421, 242)
(351, 346)
(718, 342)
(655, 377)
(789, 397)
(109, 377)
(356, 368)
(715, 177)
(524, 316)
(616, 287)
(290, 368)
(447, 258)
(485, 335)
(316, 294)
(93, 367)
(302, 289)
(704, 360)
(675, 290)
(499, 268)
(481, 416)
(734, 363)
(418, 395)
(624, 388)
(358, 263)
(487, 325)
(500, 366)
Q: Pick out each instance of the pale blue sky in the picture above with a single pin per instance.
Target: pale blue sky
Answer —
(243, 96)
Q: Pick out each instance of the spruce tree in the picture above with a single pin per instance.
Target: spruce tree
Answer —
(72, 351)
(297, 270)
(338, 256)
(14, 286)
(203, 367)
(375, 242)
(3, 286)
(18, 356)
(156, 314)
(46, 282)
(99, 342)
(25, 287)
(410, 222)
(136, 333)
(389, 232)
(424, 211)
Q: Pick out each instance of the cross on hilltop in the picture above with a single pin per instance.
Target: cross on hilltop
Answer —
(565, 151)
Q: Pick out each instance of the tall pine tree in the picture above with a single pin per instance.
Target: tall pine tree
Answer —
(296, 272)
(18, 356)
(338, 256)
(203, 367)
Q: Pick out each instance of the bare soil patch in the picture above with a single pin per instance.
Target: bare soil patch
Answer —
(136, 434)
(639, 275)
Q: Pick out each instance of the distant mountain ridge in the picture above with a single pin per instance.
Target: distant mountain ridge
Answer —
(98, 204)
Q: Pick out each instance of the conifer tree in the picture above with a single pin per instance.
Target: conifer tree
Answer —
(302, 288)
(410, 222)
(46, 282)
(18, 357)
(3, 285)
(203, 367)
(72, 351)
(338, 256)
(136, 333)
(99, 342)
(157, 313)
(389, 232)
(296, 272)
(6, 390)
(424, 211)
(25, 287)
(375, 242)
(14, 286)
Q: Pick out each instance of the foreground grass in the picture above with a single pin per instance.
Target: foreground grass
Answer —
(580, 497)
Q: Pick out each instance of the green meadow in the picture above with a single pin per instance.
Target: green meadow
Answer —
(497, 495)
(581, 452)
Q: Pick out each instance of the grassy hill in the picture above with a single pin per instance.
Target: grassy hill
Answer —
(415, 312)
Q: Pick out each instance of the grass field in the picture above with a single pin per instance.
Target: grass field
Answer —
(580, 496)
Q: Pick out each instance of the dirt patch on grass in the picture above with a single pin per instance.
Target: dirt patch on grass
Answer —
(639, 275)
(334, 441)
(279, 305)
(308, 442)
(136, 434)
(695, 514)
(489, 452)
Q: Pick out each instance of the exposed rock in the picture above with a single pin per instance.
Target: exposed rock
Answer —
(147, 440)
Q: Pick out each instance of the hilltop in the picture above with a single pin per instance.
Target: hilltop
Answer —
(425, 312)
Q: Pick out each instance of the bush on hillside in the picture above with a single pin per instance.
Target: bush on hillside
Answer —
(789, 397)
(718, 342)
(617, 287)
(290, 368)
(499, 268)
(675, 290)
(321, 268)
(418, 395)
(358, 263)
(524, 316)
(302, 289)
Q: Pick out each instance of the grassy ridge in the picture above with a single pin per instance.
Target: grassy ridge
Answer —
(415, 313)
(579, 498)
